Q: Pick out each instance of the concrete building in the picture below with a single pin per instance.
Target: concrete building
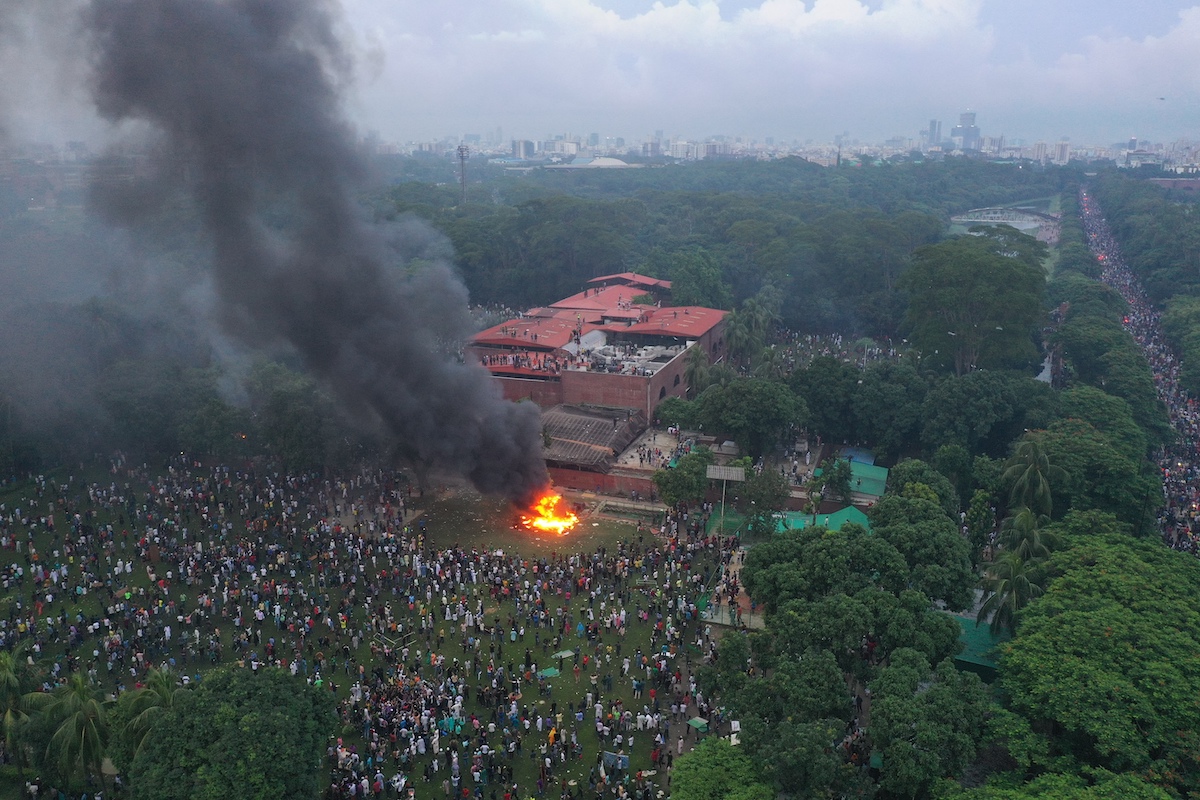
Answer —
(612, 345)
(966, 132)
(1062, 152)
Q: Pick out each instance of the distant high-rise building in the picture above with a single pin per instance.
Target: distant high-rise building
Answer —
(1039, 151)
(1062, 151)
(522, 148)
(967, 131)
(1133, 143)
(933, 136)
(593, 140)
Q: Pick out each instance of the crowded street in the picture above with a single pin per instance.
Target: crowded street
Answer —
(1179, 518)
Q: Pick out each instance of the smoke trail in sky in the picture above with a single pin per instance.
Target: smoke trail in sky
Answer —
(246, 96)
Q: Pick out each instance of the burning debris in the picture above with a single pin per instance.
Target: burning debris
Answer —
(548, 515)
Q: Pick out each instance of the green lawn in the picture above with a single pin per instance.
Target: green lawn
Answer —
(451, 520)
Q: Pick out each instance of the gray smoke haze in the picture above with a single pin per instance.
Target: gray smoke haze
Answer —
(245, 94)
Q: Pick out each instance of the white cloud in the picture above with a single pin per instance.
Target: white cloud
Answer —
(783, 67)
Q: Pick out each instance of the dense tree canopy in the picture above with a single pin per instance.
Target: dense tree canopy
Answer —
(716, 770)
(938, 558)
(926, 723)
(757, 413)
(238, 734)
(687, 481)
(814, 562)
(1105, 660)
(975, 301)
(985, 410)
(1097, 475)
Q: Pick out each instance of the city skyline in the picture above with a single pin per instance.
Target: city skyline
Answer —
(1092, 72)
(1096, 73)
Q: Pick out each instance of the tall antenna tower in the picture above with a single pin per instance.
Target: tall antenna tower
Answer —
(464, 153)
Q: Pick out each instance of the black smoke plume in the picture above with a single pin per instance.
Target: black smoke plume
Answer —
(246, 96)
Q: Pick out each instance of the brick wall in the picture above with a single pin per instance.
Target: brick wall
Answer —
(605, 389)
(545, 393)
(598, 482)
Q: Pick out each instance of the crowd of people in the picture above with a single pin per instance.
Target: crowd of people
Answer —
(443, 658)
(797, 350)
(1179, 517)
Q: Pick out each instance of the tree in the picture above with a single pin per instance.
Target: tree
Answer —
(763, 495)
(695, 370)
(74, 727)
(715, 770)
(740, 337)
(291, 418)
(985, 410)
(769, 364)
(1096, 785)
(835, 480)
(953, 461)
(814, 562)
(926, 723)
(13, 706)
(1105, 659)
(798, 757)
(254, 735)
(1010, 582)
(757, 413)
(973, 304)
(1108, 414)
(687, 481)
(938, 558)
(912, 470)
(1025, 533)
(137, 712)
(696, 280)
(1105, 355)
(981, 521)
(1030, 473)
(839, 623)
(888, 407)
(676, 411)
(1095, 475)
(827, 387)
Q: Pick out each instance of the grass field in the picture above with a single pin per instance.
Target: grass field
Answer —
(450, 520)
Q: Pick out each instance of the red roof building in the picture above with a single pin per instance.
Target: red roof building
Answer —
(599, 347)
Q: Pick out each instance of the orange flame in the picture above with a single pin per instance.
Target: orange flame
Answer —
(545, 515)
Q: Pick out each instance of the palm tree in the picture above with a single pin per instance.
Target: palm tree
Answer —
(1009, 584)
(1024, 533)
(695, 370)
(78, 716)
(145, 706)
(721, 375)
(12, 707)
(739, 335)
(760, 316)
(769, 364)
(1031, 472)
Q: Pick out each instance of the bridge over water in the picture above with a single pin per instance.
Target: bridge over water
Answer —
(1017, 217)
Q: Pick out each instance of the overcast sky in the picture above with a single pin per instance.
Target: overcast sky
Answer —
(1090, 70)
(1096, 71)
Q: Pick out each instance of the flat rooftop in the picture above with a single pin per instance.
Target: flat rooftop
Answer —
(598, 329)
